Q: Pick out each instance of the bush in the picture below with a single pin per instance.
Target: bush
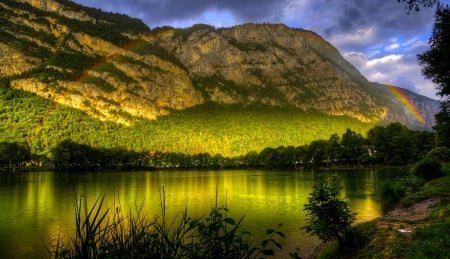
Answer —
(329, 216)
(428, 169)
(441, 154)
(392, 192)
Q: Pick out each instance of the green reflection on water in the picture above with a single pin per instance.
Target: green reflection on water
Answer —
(38, 208)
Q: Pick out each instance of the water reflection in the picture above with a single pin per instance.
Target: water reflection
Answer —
(38, 208)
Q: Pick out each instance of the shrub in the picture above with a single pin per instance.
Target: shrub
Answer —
(428, 169)
(330, 217)
(441, 154)
(392, 192)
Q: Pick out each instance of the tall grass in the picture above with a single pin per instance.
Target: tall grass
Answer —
(102, 232)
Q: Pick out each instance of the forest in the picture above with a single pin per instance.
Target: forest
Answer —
(393, 144)
(229, 130)
(38, 132)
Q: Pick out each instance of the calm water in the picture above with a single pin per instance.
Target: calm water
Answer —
(37, 208)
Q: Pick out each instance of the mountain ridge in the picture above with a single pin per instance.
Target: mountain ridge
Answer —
(247, 64)
(116, 69)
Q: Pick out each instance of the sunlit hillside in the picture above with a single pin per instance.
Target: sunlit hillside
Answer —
(225, 129)
(107, 80)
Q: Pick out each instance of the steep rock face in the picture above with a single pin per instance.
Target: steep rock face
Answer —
(271, 64)
(59, 8)
(117, 86)
(59, 50)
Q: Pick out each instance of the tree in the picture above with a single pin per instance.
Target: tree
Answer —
(436, 63)
(436, 60)
(416, 4)
(392, 145)
(442, 125)
(68, 155)
(329, 216)
(353, 147)
(317, 153)
(334, 149)
(14, 154)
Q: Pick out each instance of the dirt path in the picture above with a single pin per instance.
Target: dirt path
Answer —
(418, 211)
(406, 220)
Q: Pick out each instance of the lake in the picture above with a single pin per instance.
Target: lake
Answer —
(38, 208)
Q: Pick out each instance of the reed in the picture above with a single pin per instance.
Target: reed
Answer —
(102, 232)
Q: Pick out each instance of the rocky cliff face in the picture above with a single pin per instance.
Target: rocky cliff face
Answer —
(271, 64)
(59, 50)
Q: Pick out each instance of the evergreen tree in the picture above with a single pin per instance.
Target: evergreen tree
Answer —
(329, 216)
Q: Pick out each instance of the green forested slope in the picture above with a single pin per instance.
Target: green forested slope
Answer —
(212, 128)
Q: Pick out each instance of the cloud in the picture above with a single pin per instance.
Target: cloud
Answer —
(395, 69)
(182, 12)
(393, 46)
(359, 25)
(357, 39)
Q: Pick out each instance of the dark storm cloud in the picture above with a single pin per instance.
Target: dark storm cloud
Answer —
(386, 19)
(166, 12)
(326, 17)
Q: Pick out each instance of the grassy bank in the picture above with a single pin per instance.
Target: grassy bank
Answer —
(418, 228)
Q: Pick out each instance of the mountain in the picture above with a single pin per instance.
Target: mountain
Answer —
(115, 69)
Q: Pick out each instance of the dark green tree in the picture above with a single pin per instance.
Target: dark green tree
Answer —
(330, 216)
(436, 62)
(72, 156)
(14, 154)
(442, 125)
(353, 147)
(416, 4)
(316, 155)
(334, 149)
(392, 145)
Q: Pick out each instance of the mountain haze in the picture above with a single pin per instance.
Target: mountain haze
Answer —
(115, 69)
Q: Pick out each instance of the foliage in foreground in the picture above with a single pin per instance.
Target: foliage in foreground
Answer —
(103, 233)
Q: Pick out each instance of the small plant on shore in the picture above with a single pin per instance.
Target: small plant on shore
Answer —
(330, 217)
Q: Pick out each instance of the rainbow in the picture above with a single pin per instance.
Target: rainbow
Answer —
(400, 95)
(129, 46)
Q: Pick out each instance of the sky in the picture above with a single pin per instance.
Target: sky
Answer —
(378, 37)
